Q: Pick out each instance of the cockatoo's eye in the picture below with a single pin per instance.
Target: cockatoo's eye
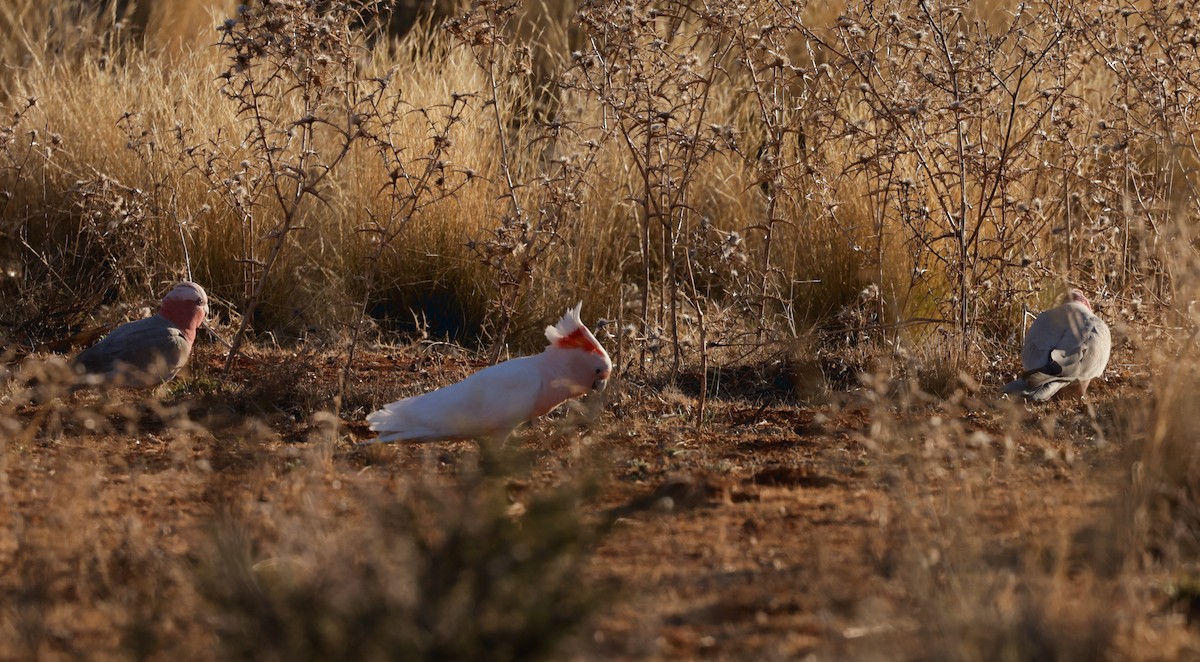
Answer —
(597, 371)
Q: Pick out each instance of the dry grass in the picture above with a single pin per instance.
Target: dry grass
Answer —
(814, 232)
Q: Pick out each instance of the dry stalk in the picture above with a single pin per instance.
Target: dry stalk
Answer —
(292, 76)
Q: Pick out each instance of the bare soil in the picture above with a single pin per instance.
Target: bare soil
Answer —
(838, 528)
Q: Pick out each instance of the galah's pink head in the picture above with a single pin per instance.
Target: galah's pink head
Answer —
(185, 306)
(1076, 295)
(588, 362)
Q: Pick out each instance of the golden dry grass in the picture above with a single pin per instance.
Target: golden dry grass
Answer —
(848, 211)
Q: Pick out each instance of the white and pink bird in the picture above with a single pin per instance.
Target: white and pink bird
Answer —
(1064, 345)
(149, 351)
(490, 404)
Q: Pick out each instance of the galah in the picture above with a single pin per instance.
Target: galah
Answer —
(1064, 345)
(490, 404)
(150, 351)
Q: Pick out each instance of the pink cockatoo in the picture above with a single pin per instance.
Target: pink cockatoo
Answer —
(1064, 345)
(150, 351)
(490, 404)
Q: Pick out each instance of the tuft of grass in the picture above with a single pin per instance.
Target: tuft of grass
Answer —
(433, 574)
(1161, 508)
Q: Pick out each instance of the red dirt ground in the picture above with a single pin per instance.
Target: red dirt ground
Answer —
(780, 530)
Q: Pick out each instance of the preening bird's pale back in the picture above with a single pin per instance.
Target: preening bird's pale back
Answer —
(150, 351)
(490, 404)
(1064, 345)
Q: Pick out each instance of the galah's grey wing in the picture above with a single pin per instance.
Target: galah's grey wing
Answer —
(1094, 351)
(1064, 345)
(140, 353)
(1081, 352)
(1062, 328)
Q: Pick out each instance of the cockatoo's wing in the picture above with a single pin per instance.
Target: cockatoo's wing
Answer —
(139, 354)
(488, 405)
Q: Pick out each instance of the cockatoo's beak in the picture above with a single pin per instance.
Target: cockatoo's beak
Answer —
(600, 384)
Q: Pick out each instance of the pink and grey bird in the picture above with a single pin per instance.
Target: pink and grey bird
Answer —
(490, 404)
(1064, 345)
(150, 351)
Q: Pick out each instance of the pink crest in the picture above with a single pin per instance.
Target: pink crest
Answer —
(570, 333)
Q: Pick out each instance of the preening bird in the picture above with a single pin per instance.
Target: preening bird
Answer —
(150, 351)
(490, 404)
(1064, 345)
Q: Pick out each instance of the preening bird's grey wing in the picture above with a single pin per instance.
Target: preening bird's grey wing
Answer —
(1084, 351)
(1042, 337)
(1087, 359)
(1099, 351)
(1079, 352)
(1064, 329)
